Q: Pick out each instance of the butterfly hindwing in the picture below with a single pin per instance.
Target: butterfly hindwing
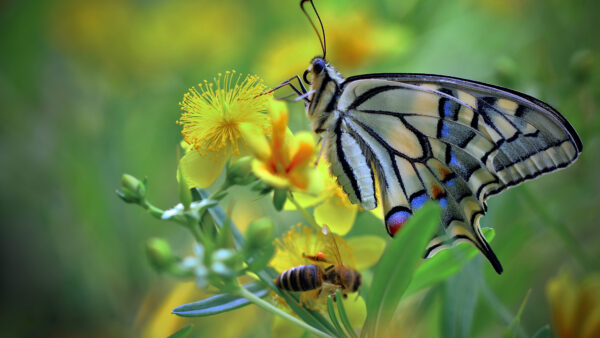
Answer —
(429, 137)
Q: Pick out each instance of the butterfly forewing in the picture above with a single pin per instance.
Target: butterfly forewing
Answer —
(429, 137)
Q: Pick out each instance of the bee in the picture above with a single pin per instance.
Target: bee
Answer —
(324, 275)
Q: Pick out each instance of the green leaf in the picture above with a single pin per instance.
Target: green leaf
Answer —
(260, 258)
(219, 303)
(279, 197)
(225, 236)
(218, 217)
(444, 264)
(543, 332)
(184, 332)
(397, 266)
(343, 315)
(512, 329)
(333, 317)
(460, 295)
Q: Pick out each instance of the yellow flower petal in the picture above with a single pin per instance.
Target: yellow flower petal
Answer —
(201, 171)
(254, 138)
(333, 213)
(261, 171)
(356, 309)
(302, 150)
(367, 250)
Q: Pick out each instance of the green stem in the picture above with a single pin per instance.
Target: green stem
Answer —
(303, 211)
(195, 231)
(242, 292)
(154, 211)
(560, 229)
(221, 189)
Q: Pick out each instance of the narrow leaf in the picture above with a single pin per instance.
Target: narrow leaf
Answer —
(219, 303)
(511, 330)
(543, 332)
(184, 332)
(333, 317)
(343, 315)
(460, 295)
(397, 266)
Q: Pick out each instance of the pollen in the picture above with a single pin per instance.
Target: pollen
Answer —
(213, 112)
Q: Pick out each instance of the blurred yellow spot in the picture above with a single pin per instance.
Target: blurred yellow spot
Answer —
(575, 306)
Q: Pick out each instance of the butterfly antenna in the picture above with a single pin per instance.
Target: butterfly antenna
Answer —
(320, 36)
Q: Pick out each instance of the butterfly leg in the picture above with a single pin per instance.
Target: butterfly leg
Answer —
(301, 92)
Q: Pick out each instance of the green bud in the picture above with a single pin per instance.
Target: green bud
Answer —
(159, 254)
(132, 189)
(240, 172)
(279, 197)
(260, 233)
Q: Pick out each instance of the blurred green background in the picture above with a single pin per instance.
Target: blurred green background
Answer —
(90, 90)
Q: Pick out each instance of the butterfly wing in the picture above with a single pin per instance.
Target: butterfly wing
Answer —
(431, 137)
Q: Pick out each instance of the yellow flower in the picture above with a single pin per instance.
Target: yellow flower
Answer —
(298, 243)
(285, 160)
(213, 117)
(575, 307)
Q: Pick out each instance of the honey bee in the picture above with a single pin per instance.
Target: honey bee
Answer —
(324, 275)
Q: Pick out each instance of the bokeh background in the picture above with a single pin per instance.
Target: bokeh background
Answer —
(90, 90)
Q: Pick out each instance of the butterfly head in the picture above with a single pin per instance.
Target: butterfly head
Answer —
(319, 70)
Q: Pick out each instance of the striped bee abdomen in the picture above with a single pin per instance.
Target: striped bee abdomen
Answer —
(301, 278)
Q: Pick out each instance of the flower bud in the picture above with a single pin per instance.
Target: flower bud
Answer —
(240, 172)
(159, 254)
(132, 189)
(260, 233)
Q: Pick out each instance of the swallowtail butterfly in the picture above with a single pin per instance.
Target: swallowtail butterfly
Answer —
(420, 137)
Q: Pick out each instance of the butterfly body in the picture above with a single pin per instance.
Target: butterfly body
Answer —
(420, 137)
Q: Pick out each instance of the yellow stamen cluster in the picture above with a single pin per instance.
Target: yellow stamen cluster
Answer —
(214, 111)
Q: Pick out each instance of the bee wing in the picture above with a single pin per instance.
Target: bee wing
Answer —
(336, 251)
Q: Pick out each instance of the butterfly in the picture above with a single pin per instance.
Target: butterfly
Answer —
(420, 137)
